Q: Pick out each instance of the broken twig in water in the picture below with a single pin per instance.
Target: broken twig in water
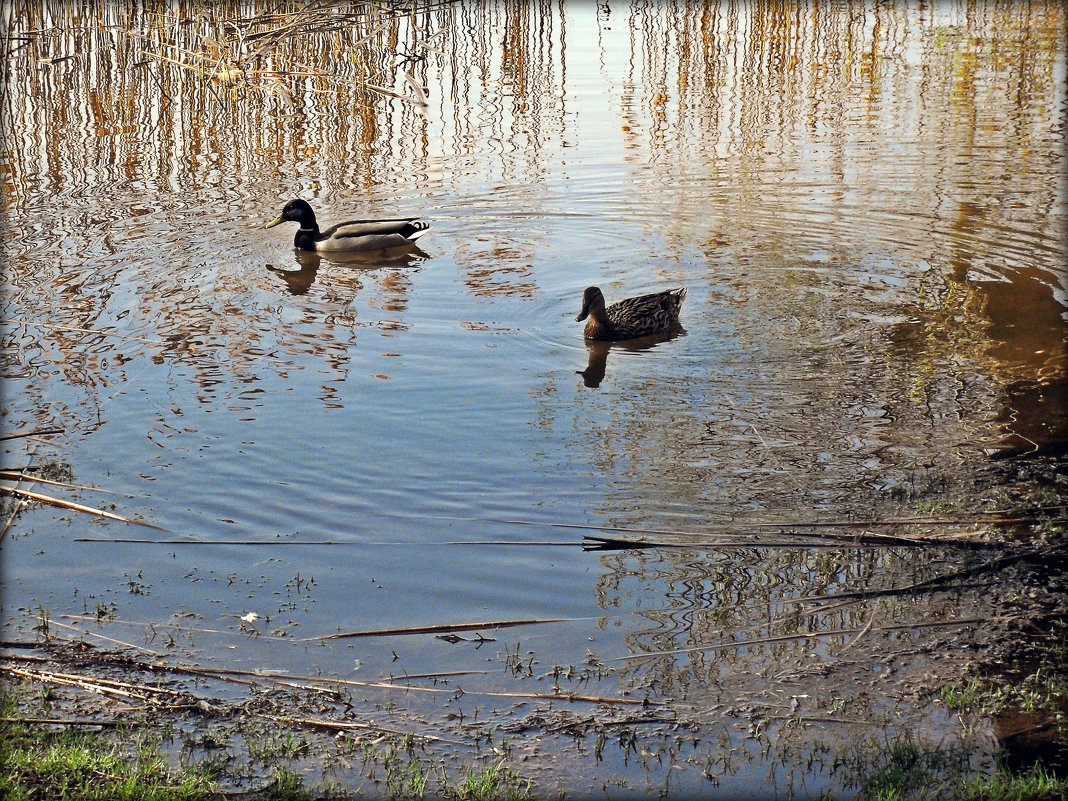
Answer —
(345, 725)
(440, 628)
(9, 475)
(77, 507)
(33, 432)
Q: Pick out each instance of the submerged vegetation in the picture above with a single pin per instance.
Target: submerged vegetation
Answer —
(57, 759)
(42, 760)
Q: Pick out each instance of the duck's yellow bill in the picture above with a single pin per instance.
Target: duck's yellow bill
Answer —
(273, 223)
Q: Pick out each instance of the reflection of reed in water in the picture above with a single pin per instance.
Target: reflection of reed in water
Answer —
(186, 101)
(768, 130)
(736, 617)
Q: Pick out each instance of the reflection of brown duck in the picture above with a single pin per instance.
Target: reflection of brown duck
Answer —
(593, 375)
(358, 235)
(598, 349)
(632, 317)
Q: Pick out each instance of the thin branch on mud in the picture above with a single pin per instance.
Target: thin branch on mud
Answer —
(737, 526)
(800, 540)
(344, 725)
(103, 637)
(75, 722)
(937, 582)
(383, 685)
(571, 724)
(842, 721)
(863, 631)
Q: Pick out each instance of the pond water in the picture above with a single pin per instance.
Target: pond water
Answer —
(865, 204)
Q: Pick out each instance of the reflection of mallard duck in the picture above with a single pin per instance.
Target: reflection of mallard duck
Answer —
(299, 281)
(348, 236)
(632, 317)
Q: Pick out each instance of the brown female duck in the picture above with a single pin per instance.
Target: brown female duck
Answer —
(630, 318)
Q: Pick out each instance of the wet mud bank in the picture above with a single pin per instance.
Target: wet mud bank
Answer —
(832, 722)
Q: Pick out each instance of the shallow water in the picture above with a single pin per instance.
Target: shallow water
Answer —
(866, 206)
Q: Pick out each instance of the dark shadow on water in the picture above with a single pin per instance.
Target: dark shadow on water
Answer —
(597, 365)
(300, 280)
(1034, 419)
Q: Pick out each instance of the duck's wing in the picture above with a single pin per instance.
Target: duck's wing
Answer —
(667, 302)
(647, 314)
(409, 228)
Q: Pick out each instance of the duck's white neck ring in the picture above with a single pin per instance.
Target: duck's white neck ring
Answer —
(307, 229)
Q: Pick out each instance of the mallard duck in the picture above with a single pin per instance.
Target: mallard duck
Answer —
(630, 318)
(348, 236)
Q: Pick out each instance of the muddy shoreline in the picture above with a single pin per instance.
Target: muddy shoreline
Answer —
(560, 731)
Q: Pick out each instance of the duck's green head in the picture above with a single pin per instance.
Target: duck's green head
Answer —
(295, 211)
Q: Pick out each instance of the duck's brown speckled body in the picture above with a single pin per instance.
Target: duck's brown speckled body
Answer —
(630, 318)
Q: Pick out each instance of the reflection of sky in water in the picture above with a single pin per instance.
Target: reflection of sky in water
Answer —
(846, 220)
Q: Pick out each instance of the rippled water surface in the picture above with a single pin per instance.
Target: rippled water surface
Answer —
(866, 205)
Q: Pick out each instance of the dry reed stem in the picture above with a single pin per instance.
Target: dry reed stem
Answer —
(338, 725)
(85, 684)
(33, 432)
(75, 722)
(77, 507)
(8, 475)
(111, 640)
(440, 628)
